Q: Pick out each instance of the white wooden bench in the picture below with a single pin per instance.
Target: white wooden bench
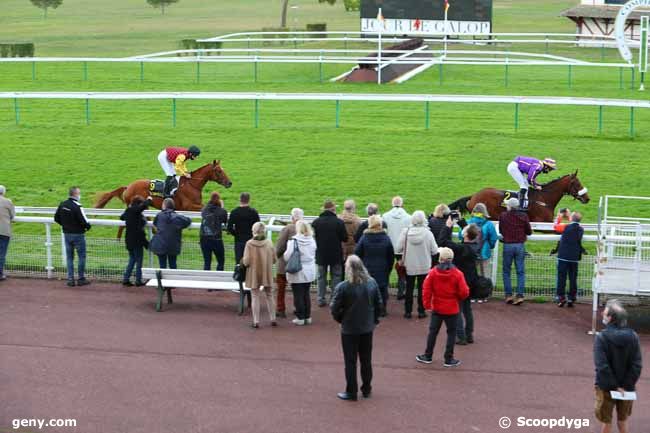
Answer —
(167, 279)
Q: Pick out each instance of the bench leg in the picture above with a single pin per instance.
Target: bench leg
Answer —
(161, 291)
(169, 296)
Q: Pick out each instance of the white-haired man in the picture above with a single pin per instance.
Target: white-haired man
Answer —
(7, 215)
(397, 219)
(286, 233)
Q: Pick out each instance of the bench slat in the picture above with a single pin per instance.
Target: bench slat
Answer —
(206, 285)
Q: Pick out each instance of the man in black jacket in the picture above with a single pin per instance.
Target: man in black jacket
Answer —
(568, 256)
(617, 357)
(240, 224)
(71, 217)
(356, 305)
(329, 231)
(465, 255)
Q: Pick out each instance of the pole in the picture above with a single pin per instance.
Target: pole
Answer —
(33, 71)
(174, 112)
(632, 122)
(444, 51)
(87, 112)
(426, 115)
(17, 111)
(506, 73)
(633, 78)
(48, 249)
(320, 67)
(517, 117)
(570, 76)
(257, 113)
(600, 119)
(620, 78)
(198, 72)
(150, 230)
(379, 49)
(338, 112)
(85, 71)
(255, 67)
(643, 50)
(440, 73)
(142, 72)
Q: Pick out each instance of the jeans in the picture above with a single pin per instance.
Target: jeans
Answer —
(410, 286)
(434, 328)
(75, 241)
(163, 258)
(135, 260)
(211, 246)
(564, 269)
(401, 282)
(4, 244)
(239, 250)
(383, 290)
(465, 328)
(357, 346)
(517, 253)
(336, 272)
(301, 300)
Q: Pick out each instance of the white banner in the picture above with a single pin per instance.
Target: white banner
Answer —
(425, 27)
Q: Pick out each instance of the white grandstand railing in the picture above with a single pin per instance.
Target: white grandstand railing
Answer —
(362, 97)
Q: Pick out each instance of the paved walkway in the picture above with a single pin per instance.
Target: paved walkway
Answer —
(102, 355)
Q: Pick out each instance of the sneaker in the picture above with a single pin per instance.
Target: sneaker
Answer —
(480, 301)
(71, 283)
(139, 283)
(470, 339)
(561, 302)
(451, 363)
(83, 282)
(424, 359)
(3, 277)
(281, 314)
(274, 323)
(509, 299)
(407, 315)
(519, 300)
(422, 315)
(308, 321)
(461, 341)
(298, 322)
(322, 304)
(127, 283)
(473, 301)
(569, 304)
(255, 325)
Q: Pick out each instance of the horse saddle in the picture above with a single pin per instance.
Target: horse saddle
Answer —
(507, 195)
(157, 187)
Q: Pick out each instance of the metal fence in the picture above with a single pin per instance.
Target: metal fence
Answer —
(43, 255)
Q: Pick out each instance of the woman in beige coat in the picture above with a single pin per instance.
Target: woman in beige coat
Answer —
(259, 257)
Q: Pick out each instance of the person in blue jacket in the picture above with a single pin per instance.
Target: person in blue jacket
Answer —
(487, 240)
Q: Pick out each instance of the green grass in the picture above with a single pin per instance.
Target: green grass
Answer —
(297, 156)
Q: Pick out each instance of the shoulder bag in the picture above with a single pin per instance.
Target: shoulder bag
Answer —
(294, 264)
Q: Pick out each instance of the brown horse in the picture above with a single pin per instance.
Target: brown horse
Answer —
(541, 203)
(187, 197)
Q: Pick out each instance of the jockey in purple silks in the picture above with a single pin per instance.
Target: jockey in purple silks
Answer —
(524, 170)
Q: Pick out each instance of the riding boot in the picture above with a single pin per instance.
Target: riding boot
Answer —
(523, 199)
(169, 182)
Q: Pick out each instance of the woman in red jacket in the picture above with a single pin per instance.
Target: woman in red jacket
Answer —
(443, 289)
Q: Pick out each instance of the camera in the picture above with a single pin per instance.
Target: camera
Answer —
(455, 215)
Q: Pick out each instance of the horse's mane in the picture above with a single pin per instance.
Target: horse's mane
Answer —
(557, 179)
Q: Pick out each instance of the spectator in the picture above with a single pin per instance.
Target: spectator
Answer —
(562, 220)
(617, 356)
(356, 305)
(568, 257)
(444, 289)
(135, 238)
(288, 232)
(166, 243)
(259, 257)
(371, 209)
(438, 219)
(71, 217)
(7, 215)
(514, 226)
(241, 223)
(352, 223)
(417, 245)
(376, 251)
(301, 281)
(213, 218)
(330, 233)
(397, 219)
(465, 257)
(487, 239)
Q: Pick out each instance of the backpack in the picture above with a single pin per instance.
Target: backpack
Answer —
(483, 288)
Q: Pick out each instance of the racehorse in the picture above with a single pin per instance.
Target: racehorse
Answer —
(187, 197)
(541, 203)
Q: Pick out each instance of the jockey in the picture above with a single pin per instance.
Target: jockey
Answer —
(172, 160)
(524, 170)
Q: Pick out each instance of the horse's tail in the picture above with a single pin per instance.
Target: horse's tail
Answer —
(104, 198)
(460, 204)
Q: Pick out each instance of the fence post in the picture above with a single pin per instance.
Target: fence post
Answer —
(17, 111)
(602, 52)
(506, 73)
(85, 71)
(517, 116)
(440, 73)
(570, 76)
(338, 112)
(546, 44)
(255, 67)
(174, 112)
(632, 122)
(48, 249)
(198, 72)
(142, 72)
(87, 112)
(257, 113)
(345, 42)
(63, 252)
(426, 115)
(633, 78)
(150, 230)
(33, 71)
(600, 119)
(495, 264)
(620, 78)
(320, 67)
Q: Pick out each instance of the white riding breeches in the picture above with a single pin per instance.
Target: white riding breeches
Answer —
(167, 166)
(513, 170)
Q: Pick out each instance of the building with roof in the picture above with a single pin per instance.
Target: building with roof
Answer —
(595, 18)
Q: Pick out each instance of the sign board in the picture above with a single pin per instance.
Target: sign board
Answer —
(619, 26)
(423, 17)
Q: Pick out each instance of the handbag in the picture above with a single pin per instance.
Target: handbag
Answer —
(399, 265)
(294, 264)
(240, 273)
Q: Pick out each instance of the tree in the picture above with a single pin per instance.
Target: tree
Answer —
(162, 4)
(46, 4)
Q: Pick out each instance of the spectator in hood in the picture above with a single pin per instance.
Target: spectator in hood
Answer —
(397, 219)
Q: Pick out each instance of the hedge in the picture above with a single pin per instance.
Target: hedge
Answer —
(25, 49)
(318, 27)
(352, 5)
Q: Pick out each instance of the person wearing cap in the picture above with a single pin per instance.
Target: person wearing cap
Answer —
(330, 233)
(515, 228)
(524, 170)
(172, 160)
(352, 223)
(444, 289)
(7, 215)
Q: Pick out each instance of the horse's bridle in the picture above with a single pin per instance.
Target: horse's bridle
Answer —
(577, 194)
